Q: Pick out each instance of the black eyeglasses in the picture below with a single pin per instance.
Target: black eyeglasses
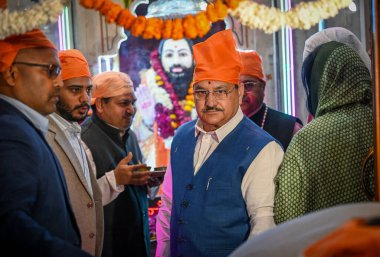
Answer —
(218, 94)
(52, 69)
(252, 84)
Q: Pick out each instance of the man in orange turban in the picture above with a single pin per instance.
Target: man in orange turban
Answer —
(107, 134)
(36, 215)
(64, 137)
(279, 125)
(218, 189)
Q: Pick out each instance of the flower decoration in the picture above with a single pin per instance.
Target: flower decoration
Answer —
(191, 26)
(302, 16)
(169, 117)
(19, 22)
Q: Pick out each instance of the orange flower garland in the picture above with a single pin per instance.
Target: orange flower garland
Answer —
(191, 26)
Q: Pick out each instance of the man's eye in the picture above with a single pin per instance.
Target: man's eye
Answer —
(183, 54)
(169, 55)
(220, 92)
(75, 89)
(201, 93)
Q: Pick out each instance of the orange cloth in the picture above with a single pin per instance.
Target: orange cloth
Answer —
(252, 64)
(74, 64)
(217, 59)
(10, 46)
(111, 83)
(353, 239)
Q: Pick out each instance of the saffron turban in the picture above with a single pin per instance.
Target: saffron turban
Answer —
(10, 46)
(252, 64)
(110, 84)
(217, 59)
(74, 64)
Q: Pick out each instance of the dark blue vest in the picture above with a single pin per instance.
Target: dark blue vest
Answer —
(209, 216)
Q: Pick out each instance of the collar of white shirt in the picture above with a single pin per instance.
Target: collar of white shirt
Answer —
(224, 130)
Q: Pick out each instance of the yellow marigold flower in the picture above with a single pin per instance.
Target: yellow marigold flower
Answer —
(87, 3)
(221, 9)
(202, 23)
(113, 13)
(177, 32)
(153, 28)
(189, 27)
(174, 124)
(138, 26)
(125, 19)
(188, 108)
(173, 116)
(167, 29)
(211, 13)
(98, 4)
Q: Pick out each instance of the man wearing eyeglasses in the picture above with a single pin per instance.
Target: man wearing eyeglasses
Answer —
(87, 197)
(279, 125)
(36, 218)
(107, 134)
(218, 189)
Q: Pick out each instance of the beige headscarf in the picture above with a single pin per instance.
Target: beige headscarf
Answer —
(110, 84)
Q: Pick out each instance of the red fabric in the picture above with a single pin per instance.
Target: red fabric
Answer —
(252, 64)
(217, 59)
(353, 239)
(10, 46)
(74, 64)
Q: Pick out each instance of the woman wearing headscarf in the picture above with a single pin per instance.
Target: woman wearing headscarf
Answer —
(322, 165)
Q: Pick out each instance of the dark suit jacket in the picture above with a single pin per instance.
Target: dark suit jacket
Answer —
(126, 224)
(36, 218)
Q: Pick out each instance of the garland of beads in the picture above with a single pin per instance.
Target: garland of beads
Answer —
(264, 117)
(167, 120)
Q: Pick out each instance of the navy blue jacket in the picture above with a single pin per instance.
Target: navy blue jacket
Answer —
(36, 218)
(209, 216)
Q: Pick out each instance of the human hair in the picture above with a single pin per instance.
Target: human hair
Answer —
(162, 42)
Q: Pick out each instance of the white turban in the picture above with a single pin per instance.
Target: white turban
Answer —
(337, 34)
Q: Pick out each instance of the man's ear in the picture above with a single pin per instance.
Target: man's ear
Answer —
(99, 105)
(241, 92)
(9, 75)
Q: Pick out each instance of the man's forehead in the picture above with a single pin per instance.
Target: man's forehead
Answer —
(171, 44)
(128, 95)
(211, 83)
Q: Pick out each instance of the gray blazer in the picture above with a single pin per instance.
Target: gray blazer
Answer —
(88, 208)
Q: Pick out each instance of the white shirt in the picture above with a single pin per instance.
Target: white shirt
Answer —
(257, 186)
(72, 133)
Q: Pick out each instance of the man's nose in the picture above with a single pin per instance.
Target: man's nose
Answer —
(85, 96)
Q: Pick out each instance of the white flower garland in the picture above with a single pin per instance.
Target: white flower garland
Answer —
(19, 22)
(303, 16)
(159, 94)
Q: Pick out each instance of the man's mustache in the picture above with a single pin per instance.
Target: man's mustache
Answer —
(209, 108)
(82, 105)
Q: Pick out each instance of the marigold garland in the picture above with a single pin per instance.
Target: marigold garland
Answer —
(19, 22)
(302, 16)
(169, 119)
(191, 26)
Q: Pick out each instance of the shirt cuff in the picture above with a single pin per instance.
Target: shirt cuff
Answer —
(112, 181)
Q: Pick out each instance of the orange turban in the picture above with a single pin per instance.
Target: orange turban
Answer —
(252, 64)
(74, 64)
(10, 46)
(111, 83)
(217, 59)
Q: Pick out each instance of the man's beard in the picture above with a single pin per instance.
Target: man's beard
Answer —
(180, 81)
(66, 113)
